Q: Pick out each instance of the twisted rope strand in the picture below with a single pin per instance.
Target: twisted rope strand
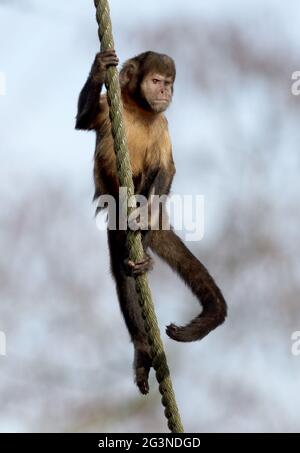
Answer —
(134, 241)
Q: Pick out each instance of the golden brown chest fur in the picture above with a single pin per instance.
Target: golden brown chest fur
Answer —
(148, 142)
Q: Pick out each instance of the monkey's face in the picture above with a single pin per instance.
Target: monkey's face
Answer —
(157, 90)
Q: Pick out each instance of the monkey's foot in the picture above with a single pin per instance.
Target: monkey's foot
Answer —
(142, 365)
(139, 268)
(141, 379)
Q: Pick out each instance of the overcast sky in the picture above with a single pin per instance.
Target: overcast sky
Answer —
(46, 49)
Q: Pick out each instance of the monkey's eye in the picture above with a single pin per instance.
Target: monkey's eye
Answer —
(155, 81)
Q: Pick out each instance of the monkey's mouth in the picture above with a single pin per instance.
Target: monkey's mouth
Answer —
(161, 101)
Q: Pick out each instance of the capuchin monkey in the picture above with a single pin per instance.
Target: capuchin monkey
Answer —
(146, 82)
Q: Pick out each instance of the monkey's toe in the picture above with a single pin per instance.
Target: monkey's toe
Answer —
(141, 380)
(143, 386)
(142, 365)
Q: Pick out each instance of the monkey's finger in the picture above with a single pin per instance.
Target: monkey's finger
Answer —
(144, 260)
(111, 63)
(104, 59)
(108, 52)
(147, 259)
(142, 268)
(109, 58)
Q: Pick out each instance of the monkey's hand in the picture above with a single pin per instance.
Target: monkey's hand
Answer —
(103, 60)
(140, 267)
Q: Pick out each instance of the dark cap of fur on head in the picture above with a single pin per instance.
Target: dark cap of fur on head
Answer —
(153, 62)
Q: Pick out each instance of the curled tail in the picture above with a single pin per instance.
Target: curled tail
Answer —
(168, 246)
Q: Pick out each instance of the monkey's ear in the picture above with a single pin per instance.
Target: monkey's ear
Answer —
(128, 72)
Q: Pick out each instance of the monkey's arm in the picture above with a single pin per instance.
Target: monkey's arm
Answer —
(160, 187)
(155, 189)
(88, 104)
(163, 180)
(89, 99)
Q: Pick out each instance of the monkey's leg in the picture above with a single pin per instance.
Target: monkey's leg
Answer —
(167, 245)
(130, 308)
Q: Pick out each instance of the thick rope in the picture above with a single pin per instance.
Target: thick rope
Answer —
(134, 241)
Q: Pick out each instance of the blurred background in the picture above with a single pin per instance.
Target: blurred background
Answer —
(235, 130)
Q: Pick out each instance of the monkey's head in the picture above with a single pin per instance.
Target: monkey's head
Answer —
(148, 79)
